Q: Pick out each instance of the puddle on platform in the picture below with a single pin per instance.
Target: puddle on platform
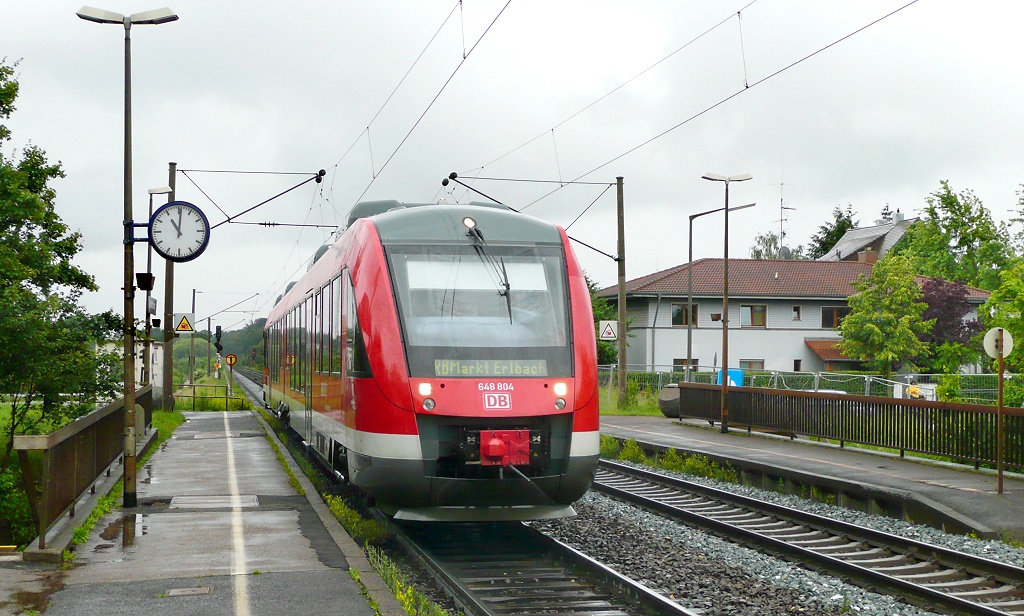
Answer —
(128, 526)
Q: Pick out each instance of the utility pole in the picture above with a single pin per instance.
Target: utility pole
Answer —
(208, 338)
(192, 351)
(621, 260)
(168, 394)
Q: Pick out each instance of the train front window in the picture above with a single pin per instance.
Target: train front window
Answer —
(502, 313)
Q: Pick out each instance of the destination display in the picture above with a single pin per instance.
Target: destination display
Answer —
(491, 367)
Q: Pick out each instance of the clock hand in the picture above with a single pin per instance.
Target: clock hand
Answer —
(178, 227)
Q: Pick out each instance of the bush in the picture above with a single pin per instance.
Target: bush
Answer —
(14, 506)
(631, 452)
(610, 447)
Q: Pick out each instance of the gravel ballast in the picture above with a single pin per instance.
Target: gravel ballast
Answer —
(708, 574)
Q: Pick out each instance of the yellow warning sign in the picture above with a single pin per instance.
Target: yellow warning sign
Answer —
(183, 323)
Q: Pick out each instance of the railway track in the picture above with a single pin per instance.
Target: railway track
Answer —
(929, 576)
(508, 568)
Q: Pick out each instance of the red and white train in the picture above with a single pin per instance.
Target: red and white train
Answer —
(443, 358)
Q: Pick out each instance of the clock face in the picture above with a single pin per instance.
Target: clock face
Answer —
(179, 231)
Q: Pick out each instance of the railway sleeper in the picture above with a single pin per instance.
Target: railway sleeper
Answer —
(509, 577)
(766, 527)
(877, 563)
(740, 516)
(568, 586)
(824, 541)
(935, 577)
(584, 605)
(864, 555)
(708, 510)
(788, 530)
(1007, 606)
(959, 587)
(840, 550)
(914, 567)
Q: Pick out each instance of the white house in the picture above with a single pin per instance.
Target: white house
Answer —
(783, 314)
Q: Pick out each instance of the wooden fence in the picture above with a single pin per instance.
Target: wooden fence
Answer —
(73, 458)
(962, 432)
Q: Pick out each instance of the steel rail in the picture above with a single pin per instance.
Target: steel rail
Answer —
(918, 572)
(497, 569)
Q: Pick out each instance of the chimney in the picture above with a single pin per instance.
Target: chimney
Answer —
(867, 256)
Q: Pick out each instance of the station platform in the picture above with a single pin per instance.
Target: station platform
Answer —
(218, 530)
(951, 497)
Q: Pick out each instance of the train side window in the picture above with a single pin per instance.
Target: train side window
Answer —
(336, 321)
(315, 331)
(355, 349)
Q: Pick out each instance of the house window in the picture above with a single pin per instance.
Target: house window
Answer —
(680, 316)
(832, 316)
(797, 364)
(679, 365)
(796, 313)
(751, 364)
(753, 315)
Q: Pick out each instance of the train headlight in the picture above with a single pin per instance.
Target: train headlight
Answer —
(425, 389)
(428, 404)
(469, 223)
(560, 403)
(560, 389)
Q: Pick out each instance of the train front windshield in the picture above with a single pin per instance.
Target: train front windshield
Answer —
(483, 312)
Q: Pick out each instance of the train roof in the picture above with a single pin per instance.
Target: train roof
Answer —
(396, 221)
(365, 209)
(445, 222)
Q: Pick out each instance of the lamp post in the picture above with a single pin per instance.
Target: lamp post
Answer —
(157, 16)
(147, 375)
(689, 284)
(716, 177)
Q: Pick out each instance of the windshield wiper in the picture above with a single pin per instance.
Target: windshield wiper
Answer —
(496, 265)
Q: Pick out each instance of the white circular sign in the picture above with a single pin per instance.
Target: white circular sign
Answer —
(990, 342)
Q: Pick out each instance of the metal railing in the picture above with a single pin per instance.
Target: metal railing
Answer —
(201, 392)
(962, 432)
(974, 388)
(73, 457)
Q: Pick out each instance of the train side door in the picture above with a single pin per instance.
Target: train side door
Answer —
(308, 332)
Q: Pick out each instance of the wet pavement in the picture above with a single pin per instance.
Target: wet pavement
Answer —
(218, 530)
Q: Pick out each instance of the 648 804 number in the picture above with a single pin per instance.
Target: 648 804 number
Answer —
(494, 386)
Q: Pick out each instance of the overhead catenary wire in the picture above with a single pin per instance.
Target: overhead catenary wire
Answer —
(622, 85)
(726, 99)
(433, 100)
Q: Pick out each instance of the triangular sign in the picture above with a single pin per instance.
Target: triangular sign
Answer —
(184, 325)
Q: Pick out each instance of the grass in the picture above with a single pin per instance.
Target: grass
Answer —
(671, 460)
(209, 395)
(638, 402)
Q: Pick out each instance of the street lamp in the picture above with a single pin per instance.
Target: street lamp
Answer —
(689, 285)
(716, 177)
(157, 16)
(146, 361)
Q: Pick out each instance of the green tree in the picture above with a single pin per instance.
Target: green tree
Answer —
(1005, 308)
(607, 352)
(767, 246)
(49, 367)
(958, 240)
(830, 232)
(885, 320)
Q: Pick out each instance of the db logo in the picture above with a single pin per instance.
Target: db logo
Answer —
(498, 402)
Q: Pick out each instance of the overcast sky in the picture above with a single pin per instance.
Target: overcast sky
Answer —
(529, 90)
